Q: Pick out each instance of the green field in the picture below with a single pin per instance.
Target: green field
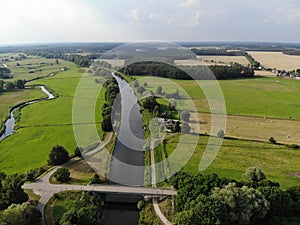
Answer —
(10, 99)
(34, 67)
(235, 156)
(48, 123)
(263, 97)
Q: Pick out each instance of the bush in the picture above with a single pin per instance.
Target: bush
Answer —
(221, 133)
(58, 156)
(62, 174)
(141, 205)
(272, 141)
(95, 179)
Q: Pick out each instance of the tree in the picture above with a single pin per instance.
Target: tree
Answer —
(11, 191)
(185, 116)
(24, 214)
(106, 124)
(272, 141)
(159, 90)
(58, 156)
(78, 152)
(62, 174)
(1, 86)
(10, 86)
(242, 205)
(95, 179)
(221, 133)
(277, 199)
(254, 174)
(20, 84)
(204, 211)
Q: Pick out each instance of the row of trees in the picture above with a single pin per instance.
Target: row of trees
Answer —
(234, 70)
(209, 199)
(80, 60)
(112, 91)
(9, 86)
(218, 52)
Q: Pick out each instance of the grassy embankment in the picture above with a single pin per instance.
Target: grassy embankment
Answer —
(47, 123)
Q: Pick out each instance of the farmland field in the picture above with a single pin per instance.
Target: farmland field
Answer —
(277, 60)
(235, 156)
(45, 124)
(34, 67)
(262, 97)
(9, 99)
(213, 60)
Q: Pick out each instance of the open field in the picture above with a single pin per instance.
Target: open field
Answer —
(213, 60)
(262, 97)
(34, 67)
(265, 73)
(252, 128)
(10, 99)
(224, 60)
(277, 60)
(235, 156)
(48, 123)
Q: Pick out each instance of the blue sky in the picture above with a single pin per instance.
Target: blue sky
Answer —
(139, 20)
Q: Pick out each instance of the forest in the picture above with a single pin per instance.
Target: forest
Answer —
(232, 71)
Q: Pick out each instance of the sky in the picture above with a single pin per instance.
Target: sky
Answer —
(38, 21)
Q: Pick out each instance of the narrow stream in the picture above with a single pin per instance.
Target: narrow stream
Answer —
(127, 164)
(11, 122)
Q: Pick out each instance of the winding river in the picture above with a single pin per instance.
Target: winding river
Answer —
(128, 161)
(11, 122)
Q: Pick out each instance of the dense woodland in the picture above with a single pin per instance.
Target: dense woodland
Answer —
(14, 208)
(234, 70)
(209, 199)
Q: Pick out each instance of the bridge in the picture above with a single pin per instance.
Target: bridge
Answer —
(112, 189)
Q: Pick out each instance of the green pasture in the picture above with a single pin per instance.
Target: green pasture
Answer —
(263, 97)
(235, 156)
(10, 99)
(48, 123)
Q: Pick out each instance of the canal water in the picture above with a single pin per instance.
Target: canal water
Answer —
(127, 167)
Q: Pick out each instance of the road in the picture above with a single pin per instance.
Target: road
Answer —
(113, 189)
(153, 181)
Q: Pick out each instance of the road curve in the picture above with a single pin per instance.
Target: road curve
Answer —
(153, 180)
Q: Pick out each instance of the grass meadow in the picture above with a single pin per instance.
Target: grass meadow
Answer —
(48, 123)
(235, 156)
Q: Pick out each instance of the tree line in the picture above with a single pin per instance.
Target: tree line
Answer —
(209, 199)
(234, 70)
(111, 93)
(9, 86)
(217, 52)
(80, 60)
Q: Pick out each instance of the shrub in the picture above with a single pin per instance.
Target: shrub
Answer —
(62, 174)
(272, 141)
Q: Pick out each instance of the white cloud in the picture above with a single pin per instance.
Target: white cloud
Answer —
(195, 20)
(188, 3)
(133, 15)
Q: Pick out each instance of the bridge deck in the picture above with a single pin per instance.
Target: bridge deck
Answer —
(115, 189)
